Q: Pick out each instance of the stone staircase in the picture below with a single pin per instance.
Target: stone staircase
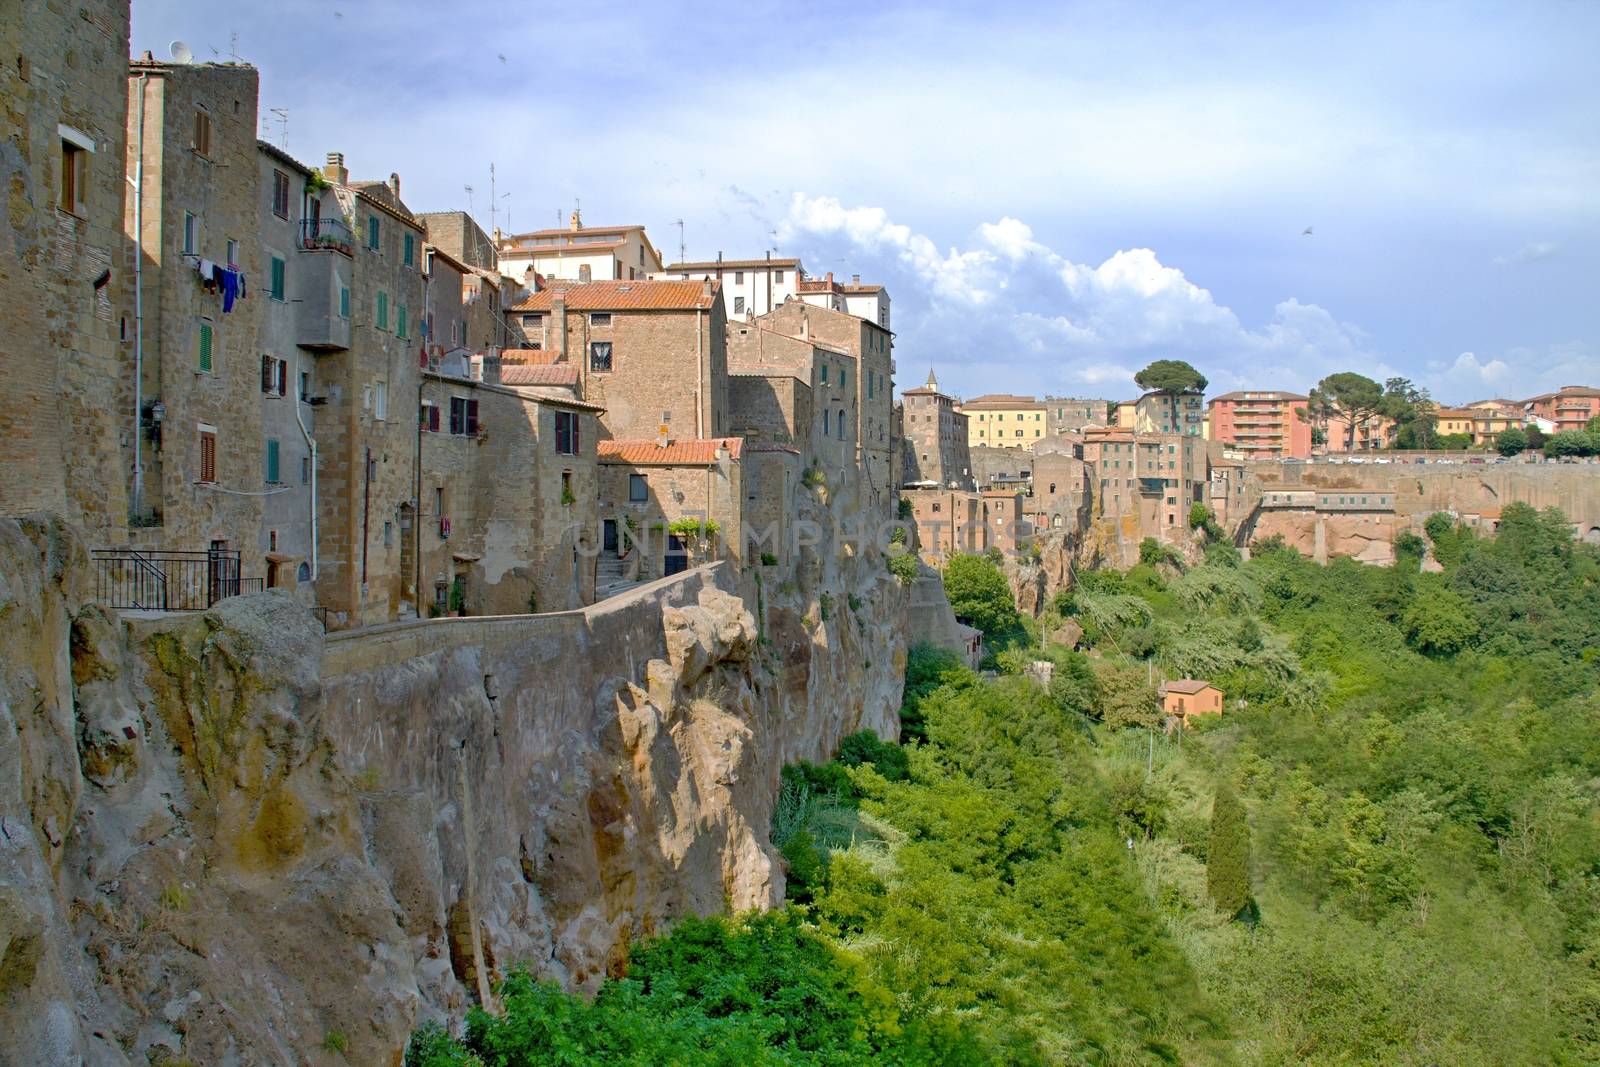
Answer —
(611, 576)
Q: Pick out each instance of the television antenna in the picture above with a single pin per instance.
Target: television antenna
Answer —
(683, 249)
(282, 115)
(494, 202)
(180, 52)
(470, 209)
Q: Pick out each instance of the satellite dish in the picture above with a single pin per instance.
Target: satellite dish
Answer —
(180, 52)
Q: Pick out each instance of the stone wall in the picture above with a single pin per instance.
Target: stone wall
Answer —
(229, 837)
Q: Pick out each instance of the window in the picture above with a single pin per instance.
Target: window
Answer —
(74, 176)
(600, 318)
(273, 473)
(207, 342)
(566, 488)
(600, 356)
(400, 321)
(824, 374)
(841, 425)
(382, 310)
(463, 417)
(871, 377)
(344, 302)
(843, 374)
(233, 253)
(738, 277)
(532, 322)
(305, 385)
(202, 132)
(738, 305)
(777, 277)
(280, 194)
(372, 232)
(274, 376)
(305, 470)
(567, 433)
(380, 401)
(638, 489)
(191, 232)
(585, 273)
(208, 453)
(428, 416)
(277, 286)
(410, 254)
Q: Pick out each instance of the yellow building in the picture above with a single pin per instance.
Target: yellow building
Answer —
(1002, 420)
(1455, 420)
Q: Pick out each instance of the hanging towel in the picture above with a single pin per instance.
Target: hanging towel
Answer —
(230, 289)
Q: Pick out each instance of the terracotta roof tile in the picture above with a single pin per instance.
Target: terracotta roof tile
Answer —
(517, 356)
(1185, 685)
(732, 264)
(690, 453)
(539, 374)
(674, 295)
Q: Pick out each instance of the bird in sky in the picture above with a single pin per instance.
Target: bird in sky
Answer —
(1306, 232)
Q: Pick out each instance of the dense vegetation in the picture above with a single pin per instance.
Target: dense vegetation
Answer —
(1387, 849)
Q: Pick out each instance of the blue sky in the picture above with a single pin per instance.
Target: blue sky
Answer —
(1053, 197)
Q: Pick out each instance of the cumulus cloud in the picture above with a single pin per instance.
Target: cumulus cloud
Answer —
(1531, 252)
(1011, 312)
(1468, 376)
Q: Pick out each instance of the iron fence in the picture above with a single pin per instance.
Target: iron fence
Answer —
(168, 581)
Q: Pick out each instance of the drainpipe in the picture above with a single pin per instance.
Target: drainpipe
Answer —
(137, 181)
(311, 444)
(699, 378)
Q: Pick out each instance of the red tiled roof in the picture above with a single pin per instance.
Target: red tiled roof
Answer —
(539, 374)
(863, 289)
(690, 453)
(513, 356)
(1002, 400)
(674, 295)
(1185, 685)
(564, 231)
(732, 264)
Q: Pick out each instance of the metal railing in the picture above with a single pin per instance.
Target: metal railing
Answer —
(327, 235)
(168, 581)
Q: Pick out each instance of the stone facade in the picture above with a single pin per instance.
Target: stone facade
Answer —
(1150, 479)
(1065, 414)
(645, 488)
(948, 521)
(652, 353)
(191, 137)
(66, 314)
(935, 435)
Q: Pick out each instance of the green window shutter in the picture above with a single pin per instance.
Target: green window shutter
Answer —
(411, 248)
(344, 302)
(372, 232)
(400, 322)
(205, 348)
(383, 311)
(272, 461)
(277, 278)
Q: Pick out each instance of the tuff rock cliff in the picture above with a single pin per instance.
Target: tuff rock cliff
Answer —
(228, 838)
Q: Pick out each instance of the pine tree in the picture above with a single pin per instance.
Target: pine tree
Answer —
(1228, 855)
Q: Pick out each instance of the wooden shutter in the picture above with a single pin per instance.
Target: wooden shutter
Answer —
(269, 374)
(277, 278)
(563, 434)
(283, 377)
(208, 456)
(383, 311)
(272, 461)
(472, 418)
(205, 348)
(411, 248)
(400, 322)
(433, 418)
(458, 414)
(344, 302)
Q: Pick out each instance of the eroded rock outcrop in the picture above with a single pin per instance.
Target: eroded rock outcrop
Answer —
(229, 838)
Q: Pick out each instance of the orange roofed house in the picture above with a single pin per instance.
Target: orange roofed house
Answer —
(1187, 697)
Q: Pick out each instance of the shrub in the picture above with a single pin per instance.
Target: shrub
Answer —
(768, 559)
(978, 591)
(904, 567)
(864, 746)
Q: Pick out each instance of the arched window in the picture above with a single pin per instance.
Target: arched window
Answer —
(841, 425)
(1052, 487)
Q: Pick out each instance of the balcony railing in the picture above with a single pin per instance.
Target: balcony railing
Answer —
(168, 581)
(326, 235)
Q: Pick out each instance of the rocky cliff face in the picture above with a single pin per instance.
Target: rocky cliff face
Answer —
(229, 839)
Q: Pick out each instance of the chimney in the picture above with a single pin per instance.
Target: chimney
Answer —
(855, 279)
(705, 287)
(719, 255)
(829, 279)
(335, 171)
(558, 322)
(394, 185)
(576, 222)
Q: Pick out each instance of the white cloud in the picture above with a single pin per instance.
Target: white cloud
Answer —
(1531, 252)
(1013, 313)
(1468, 377)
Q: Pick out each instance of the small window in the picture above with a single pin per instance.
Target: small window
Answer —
(305, 385)
(738, 305)
(208, 454)
(567, 433)
(382, 310)
(410, 253)
(274, 376)
(438, 500)
(305, 470)
(344, 302)
(585, 273)
(843, 374)
(274, 475)
(777, 277)
(206, 361)
(380, 401)
(566, 488)
(400, 321)
(280, 194)
(277, 281)
(824, 374)
(202, 132)
(638, 489)
(600, 356)
(191, 232)
(74, 177)
(532, 322)
(372, 232)
(600, 318)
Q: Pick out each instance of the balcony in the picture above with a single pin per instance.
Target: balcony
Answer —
(327, 235)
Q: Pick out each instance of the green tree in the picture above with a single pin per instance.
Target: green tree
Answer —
(1510, 441)
(1228, 853)
(1439, 622)
(1170, 376)
(979, 591)
(1348, 395)
(1124, 697)
(1570, 443)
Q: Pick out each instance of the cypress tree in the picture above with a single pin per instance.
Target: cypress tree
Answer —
(1228, 854)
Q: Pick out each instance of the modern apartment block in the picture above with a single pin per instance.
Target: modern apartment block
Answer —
(1004, 420)
(750, 287)
(1261, 424)
(1569, 408)
(1179, 413)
